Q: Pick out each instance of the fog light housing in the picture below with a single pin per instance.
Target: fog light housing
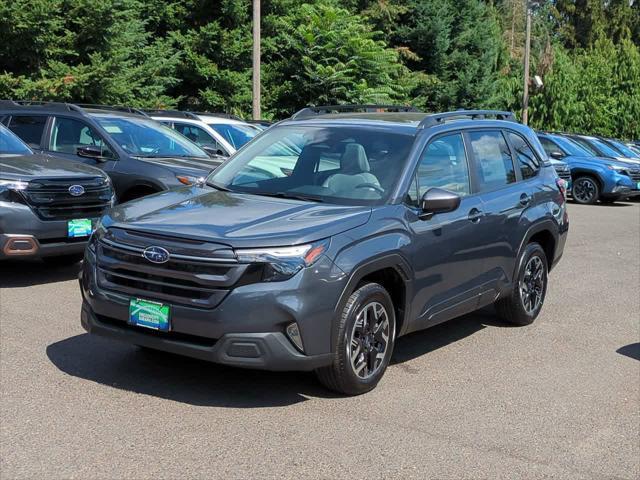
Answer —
(293, 332)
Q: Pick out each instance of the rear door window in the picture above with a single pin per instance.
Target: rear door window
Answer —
(494, 165)
(29, 128)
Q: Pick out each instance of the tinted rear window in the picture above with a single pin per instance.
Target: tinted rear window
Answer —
(29, 128)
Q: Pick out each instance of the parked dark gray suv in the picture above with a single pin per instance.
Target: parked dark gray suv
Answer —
(139, 154)
(48, 206)
(329, 236)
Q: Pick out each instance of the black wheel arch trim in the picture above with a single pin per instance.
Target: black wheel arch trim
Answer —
(540, 226)
(389, 260)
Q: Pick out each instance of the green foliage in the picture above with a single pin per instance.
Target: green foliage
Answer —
(435, 54)
(322, 54)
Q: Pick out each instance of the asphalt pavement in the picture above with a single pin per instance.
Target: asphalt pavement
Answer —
(473, 398)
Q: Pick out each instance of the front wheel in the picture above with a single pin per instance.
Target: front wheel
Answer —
(364, 342)
(523, 304)
(585, 190)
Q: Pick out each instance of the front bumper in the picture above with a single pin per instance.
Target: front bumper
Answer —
(35, 238)
(246, 329)
(265, 351)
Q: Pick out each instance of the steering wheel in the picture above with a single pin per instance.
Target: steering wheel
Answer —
(372, 186)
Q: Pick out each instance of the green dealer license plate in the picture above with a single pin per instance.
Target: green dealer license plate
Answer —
(80, 227)
(148, 314)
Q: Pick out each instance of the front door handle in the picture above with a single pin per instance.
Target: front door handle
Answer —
(475, 215)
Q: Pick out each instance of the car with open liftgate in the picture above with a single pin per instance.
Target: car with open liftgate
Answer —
(48, 205)
(140, 155)
(380, 222)
(593, 177)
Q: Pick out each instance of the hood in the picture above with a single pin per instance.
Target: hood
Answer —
(31, 167)
(601, 161)
(235, 219)
(189, 165)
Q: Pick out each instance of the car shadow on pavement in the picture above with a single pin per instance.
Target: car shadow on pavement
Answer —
(27, 273)
(632, 351)
(201, 383)
(424, 341)
(178, 378)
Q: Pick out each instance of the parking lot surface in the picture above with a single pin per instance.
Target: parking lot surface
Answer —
(473, 398)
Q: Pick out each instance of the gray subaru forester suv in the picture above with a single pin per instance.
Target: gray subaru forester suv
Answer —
(330, 235)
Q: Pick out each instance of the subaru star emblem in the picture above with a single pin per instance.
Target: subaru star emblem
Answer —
(156, 254)
(76, 190)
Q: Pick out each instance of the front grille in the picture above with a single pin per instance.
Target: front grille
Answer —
(635, 175)
(563, 171)
(50, 198)
(198, 274)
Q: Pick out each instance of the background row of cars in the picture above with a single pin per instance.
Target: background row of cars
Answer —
(62, 165)
(601, 169)
(78, 159)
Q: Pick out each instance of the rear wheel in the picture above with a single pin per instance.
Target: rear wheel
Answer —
(585, 190)
(364, 342)
(523, 304)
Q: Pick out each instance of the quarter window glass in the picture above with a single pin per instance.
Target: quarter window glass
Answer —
(28, 128)
(493, 160)
(69, 134)
(527, 160)
(443, 165)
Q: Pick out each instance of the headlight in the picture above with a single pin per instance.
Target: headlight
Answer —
(8, 189)
(618, 169)
(281, 263)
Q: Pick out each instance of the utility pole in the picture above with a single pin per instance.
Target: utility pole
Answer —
(256, 60)
(527, 51)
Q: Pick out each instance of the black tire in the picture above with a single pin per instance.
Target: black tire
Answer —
(585, 190)
(511, 308)
(62, 260)
(341, 375)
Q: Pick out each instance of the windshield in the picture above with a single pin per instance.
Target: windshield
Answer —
(572, 148)
(343, 165)
(623, 149)
(606, 150)
(10, 144)
(146, 138)
(236, 134)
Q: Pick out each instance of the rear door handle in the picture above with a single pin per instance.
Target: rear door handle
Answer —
(475, 215)
(525, 199)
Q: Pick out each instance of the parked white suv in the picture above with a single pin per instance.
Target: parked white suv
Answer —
(219, 132)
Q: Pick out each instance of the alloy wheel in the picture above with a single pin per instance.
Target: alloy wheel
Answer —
(532, 285)
(584, 190)
(369, 340)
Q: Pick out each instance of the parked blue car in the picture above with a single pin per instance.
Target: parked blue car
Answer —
(593, 178)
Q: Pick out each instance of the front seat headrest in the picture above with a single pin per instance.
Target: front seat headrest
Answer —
(354, 160)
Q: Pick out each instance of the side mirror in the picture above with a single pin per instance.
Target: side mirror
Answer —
(90, 151)
(214, 152)
(438, 200)
(557, 154)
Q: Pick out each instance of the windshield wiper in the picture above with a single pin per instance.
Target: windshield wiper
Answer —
(218, 187)
(293, 196)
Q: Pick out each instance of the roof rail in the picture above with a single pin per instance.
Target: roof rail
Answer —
(172, 113)
(312, 111)
(117, 108)
(230, 116)
(438, 118)
(37, 103)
